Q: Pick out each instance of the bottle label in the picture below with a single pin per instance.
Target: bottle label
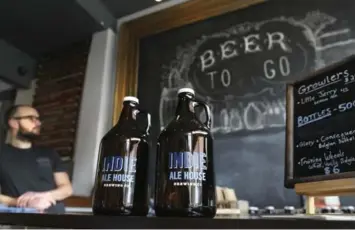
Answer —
(118, 171)
(187, 168)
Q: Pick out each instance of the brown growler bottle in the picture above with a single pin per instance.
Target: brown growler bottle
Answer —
(121, 185)
(185, 179)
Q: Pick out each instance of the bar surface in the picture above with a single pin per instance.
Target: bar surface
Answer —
(91, 222)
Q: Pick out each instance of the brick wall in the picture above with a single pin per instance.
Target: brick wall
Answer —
(60, 77)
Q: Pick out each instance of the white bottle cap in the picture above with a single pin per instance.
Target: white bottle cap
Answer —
(186, 90)
(130, 98)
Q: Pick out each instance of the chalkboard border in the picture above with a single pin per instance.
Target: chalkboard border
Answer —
(290, 180)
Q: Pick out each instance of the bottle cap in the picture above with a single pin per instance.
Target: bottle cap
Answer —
(130, 98)
(186, 90)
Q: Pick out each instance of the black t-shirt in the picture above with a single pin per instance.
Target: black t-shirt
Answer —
(23, 170)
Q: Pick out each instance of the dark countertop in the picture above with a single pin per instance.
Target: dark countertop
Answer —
(90, 222)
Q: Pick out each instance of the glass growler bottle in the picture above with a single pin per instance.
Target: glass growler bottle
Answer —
(185, 180)
(121, 185)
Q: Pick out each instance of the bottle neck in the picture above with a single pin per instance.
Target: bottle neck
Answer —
(127, 111)
(185, 107)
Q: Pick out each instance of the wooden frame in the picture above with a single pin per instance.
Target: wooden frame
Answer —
(333, 184)
(176, 16)
(132, 31)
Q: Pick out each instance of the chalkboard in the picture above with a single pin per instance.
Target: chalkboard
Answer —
(240, 63)
(322, 111)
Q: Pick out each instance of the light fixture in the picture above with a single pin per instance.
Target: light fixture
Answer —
(158, 0)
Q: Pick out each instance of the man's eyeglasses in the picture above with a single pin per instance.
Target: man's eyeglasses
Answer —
(32, 118)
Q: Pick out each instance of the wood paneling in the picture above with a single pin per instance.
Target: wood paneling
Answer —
(78, 201)
(125, 83)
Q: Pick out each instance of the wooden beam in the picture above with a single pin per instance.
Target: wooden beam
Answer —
(184, 14)
(78, 201)
(126, 70)
(337, 187)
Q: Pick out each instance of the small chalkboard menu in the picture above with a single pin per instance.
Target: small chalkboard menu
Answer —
(320, 132)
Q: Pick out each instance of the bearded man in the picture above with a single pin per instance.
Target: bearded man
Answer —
(30, 176)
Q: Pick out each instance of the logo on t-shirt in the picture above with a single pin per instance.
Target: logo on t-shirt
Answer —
(43, 161)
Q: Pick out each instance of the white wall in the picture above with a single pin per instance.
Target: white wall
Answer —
(95, 116)
(25, 96)
(96, 112)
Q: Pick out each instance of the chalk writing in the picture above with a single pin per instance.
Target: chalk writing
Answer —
(349, 79)
(328, 141)
(331, 169)
(328, 80)
(252, 115)
(252, 100)
(327, 93)
(231, 116)
(347, 160)
(316, 116)
(335, 136)
(343, 107)
(308, 161)
(326, 145)
(224, 77)
(270, 71)
(328, 156)
(344, 140)
(305, 144)
(307, 100)
(251, 44)
(330, 162)
(322, 94)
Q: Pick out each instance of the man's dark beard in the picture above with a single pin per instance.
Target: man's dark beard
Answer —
(26, 136)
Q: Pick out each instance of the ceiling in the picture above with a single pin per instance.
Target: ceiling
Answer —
(39, 26)
(119, 9)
